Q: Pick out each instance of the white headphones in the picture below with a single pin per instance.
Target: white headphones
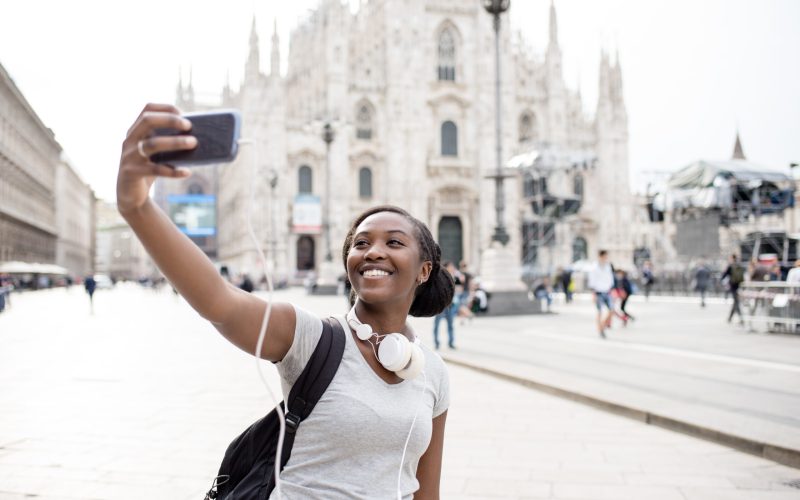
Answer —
(395, 352)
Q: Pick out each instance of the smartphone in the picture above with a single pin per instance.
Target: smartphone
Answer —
(217, 134)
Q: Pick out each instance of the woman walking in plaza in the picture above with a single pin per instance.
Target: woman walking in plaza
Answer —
(376, 432)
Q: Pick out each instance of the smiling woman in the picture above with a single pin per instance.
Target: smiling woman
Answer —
(387, 402)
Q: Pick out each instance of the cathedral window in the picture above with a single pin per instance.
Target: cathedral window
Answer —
(304, 180)
(527, 128)
(449, 139)
(577, 186)
(580, 250)
(447, 56)
(364, 123)
(365, 182)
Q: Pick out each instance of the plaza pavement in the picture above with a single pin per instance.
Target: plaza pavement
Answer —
(140, 400)
(677, 365)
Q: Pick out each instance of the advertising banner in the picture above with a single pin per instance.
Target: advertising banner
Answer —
(194, 214)
(307, 214)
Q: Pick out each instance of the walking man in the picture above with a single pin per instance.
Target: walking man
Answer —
(89, 284)
(601, 281)
(735, 274)
(702, 278)
(448, 314)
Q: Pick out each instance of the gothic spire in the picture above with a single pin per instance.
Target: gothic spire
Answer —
(738, 152)
(252, 67)
(275, 59)
(179, 89)
(553, 24)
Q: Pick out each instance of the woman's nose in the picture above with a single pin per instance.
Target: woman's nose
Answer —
(375, 251)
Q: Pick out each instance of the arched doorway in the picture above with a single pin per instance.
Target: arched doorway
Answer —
(580, 250)
(305, 253)
(451, 236)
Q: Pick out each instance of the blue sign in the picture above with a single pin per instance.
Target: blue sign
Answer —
(194, 214)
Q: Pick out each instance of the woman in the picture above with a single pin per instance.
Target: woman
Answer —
(352, 443)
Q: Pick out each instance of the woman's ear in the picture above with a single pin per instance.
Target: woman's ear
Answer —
(424, 273)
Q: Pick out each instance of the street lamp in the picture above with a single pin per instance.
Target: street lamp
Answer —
(327, 136)
(496, 8)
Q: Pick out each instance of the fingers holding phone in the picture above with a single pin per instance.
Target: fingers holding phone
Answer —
(136, 169)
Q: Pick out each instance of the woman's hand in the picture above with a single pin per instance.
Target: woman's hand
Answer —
(136, 171)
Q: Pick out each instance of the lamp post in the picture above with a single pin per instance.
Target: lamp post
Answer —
(500, 271)
(496, 8)
(327, 136)
(328, 282)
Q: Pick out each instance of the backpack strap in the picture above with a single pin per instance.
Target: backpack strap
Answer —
(313, 381)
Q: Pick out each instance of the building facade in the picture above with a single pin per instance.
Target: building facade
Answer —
(408, 91)
(75, 222)
(29, 160)
(119, 253)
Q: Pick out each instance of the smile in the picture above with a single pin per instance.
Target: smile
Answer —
(373, 273)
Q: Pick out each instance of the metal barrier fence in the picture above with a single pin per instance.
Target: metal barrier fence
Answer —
(773, 306)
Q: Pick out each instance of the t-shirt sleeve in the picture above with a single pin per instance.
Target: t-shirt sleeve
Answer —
(307, 332)
(442, 402)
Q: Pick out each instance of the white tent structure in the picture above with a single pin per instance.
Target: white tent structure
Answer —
(17, 267)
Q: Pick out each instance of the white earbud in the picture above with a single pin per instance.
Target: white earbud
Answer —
(395, 352)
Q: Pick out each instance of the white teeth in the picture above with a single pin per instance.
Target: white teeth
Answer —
(375, 272)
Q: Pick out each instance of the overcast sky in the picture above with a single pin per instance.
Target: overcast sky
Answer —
(693, 70)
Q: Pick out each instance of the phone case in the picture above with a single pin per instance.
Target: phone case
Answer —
(217, 134)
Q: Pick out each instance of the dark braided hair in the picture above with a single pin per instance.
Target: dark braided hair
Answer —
(431, 297)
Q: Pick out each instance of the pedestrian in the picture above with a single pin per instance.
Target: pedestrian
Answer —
(544, 291)
(702, 278)
(465, 277)
(246, 284)
(601, 281)
(448, 314)
(624, 290)
(350, 444)
(565, 281)
(734, 273)
(89, 284)
(480, 298)
(793, 276)
(648, 278)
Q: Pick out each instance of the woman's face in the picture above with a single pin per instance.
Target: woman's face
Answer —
(384, 262)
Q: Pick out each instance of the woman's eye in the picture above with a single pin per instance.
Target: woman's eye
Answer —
(359, 243)
(395, 242)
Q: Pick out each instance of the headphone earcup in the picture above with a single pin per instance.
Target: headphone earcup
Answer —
(394, 352)
(416, 364)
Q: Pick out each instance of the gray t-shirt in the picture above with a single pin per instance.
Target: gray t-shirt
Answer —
(351, 444)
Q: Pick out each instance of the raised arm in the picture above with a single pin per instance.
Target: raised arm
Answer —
(235, 313)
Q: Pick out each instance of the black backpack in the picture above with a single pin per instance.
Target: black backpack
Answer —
(247, 470)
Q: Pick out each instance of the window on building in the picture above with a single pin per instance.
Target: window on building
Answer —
(304, 180)
(577, 186)
(449, 139)
(580, 250)
(365, 182)
(447, 56)
(527, 127)
(364, 122)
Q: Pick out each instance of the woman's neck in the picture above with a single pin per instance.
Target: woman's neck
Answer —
(384, 320)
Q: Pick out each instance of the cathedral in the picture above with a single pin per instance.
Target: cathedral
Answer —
(395, 104)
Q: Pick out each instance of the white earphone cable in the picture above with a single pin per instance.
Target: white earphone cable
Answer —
(408, 438)
(265, 322)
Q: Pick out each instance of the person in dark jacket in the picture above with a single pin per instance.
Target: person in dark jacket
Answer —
(247, 284)
(89, 284)
(624, 290)
(735, 276)
(702, 278)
